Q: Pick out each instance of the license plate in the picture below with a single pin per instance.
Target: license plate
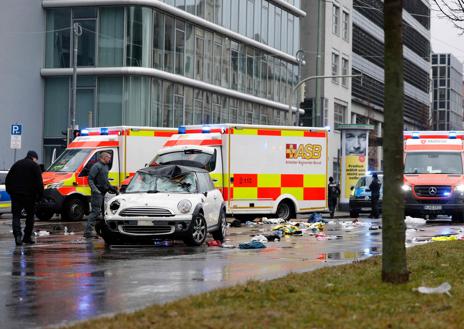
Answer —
(432, 207)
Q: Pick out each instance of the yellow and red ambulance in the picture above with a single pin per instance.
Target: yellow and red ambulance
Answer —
(433, 174)
(66, 184)
(261, 170)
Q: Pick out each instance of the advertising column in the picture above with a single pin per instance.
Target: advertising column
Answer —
(354, 157)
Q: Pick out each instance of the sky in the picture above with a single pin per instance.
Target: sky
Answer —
(445, 37)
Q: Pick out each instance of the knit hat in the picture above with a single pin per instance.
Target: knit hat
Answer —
(32, 154)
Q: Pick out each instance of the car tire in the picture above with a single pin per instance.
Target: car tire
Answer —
(44, 214)
(73, 210)
(220, 234)
(196, 235)
(354, 214)
(285, 210)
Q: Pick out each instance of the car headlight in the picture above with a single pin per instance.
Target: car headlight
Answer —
(459, 188)
(184, 206)
(114, 206)
(55, 185)
(406, 188)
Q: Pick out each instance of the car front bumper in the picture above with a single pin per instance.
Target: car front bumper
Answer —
(438, 206)
(362, 205)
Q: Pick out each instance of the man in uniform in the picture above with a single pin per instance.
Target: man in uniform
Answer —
(99, 185)
(334, 192)
(25, 186)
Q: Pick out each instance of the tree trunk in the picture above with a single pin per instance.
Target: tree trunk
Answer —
(394, 265)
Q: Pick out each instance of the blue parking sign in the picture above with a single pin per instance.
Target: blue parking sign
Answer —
(16, 129)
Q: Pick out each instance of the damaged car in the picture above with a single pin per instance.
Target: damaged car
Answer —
(165, 202)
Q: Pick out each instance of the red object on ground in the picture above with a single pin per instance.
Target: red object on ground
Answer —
(214, 243)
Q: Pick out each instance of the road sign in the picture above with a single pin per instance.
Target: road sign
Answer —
(16, 130)
(15, 142)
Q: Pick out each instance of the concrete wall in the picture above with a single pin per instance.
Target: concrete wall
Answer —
(22, 40)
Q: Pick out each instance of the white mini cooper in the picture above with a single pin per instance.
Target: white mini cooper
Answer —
(165, 202)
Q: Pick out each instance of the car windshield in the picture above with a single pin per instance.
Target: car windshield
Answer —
(148, 183)
(367, 180)
(69, 160)
(433, 163)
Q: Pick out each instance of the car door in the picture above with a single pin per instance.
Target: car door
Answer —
(205, 187)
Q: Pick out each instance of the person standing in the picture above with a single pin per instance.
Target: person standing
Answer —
(334, 193)
(374, 186)
(25, 186)
(99, 185)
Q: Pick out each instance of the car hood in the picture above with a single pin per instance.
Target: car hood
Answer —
(55, 177)
(433, 179)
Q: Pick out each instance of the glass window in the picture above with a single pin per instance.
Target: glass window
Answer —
(217, 59)
(234, 10)
(156, 111)
(208, 56)
(218, 11)
(345, 70)
(226, 13)
(271, 25)
(189, 50)
(207, 110)
(224, 109)
(109, 101)
(242, 17)
(180, 4)
(276, 93)
(433, 163)
(59, 37)
(284, 32)
(335, 19)
(264, 22)
(217, 100)
(233, 112)
(242, 68)
(257, 72)
(249, 70)
(167, 106)
(85, 106)
(290, 34)
(234, 59)
(200, 52)
(85, 12)
(226, 63)
(346, 26)
(257, 21)
(209, 4)
(190, 6)
(136, 101)
(70, 160)
(200, 8)
(178, 107)
(339, 113)
(198, 106)
(139, 27)
(188, 105)
(180, 44)
(158, 40)
(270, 76)
(169, 44)
(56, 106)
(111, 37)
(249, 18)
(264, 77)
(278, 28)
(335, 60)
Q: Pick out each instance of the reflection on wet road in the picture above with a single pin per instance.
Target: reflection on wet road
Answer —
(63, 278)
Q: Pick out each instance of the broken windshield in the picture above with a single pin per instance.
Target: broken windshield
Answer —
(148, 183)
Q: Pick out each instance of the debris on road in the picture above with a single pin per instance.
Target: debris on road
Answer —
(444, 288)
(42, 233)
(214, 243)
(252, 245)
(236, 223)
(445, 238)
(412, 222)
(274, 221)
(260, 238)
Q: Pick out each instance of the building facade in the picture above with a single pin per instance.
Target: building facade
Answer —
(343, 37)
(326, 39)
(447, 106)
(165, 63)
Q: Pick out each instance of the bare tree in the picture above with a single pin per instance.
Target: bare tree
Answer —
(453, 10)
(394, 264)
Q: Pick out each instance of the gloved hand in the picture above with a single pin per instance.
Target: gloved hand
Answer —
(113, 190)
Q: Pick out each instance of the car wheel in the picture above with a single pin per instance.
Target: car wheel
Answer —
(285, 210)
(220, 234)
(354, 214)
(44, 214)
(197, 231)
(73, 210)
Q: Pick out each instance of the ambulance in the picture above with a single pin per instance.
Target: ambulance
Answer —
(67, 191)
(433, 174)
(260, 170)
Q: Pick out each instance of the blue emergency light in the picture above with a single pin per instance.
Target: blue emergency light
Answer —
(452, 135)
(103, 131)
(206, 130)
(181, 130)
(415, 135)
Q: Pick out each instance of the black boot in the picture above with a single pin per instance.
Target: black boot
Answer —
(18, 240)
(28, 240)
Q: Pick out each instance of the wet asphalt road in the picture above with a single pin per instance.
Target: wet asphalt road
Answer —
(63, 278)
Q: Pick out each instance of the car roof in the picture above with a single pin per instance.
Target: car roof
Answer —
(171, 170)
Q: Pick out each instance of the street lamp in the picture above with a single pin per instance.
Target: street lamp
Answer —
(77, 32)
(297, 86)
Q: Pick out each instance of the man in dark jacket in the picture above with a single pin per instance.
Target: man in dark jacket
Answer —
(334, 193)
(374, 186)
(25, 186)
(99, 185)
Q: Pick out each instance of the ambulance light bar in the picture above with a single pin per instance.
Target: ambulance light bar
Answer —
(451, 135)
(101, 131)
(415, 135)
(183, 130)
(84, 132)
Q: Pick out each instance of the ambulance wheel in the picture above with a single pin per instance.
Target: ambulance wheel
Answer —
(285, 210)
(220, 234)
(43, 214)
(73, 210)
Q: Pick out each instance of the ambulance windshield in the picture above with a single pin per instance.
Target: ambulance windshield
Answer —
(69, 160)
(433, 163)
